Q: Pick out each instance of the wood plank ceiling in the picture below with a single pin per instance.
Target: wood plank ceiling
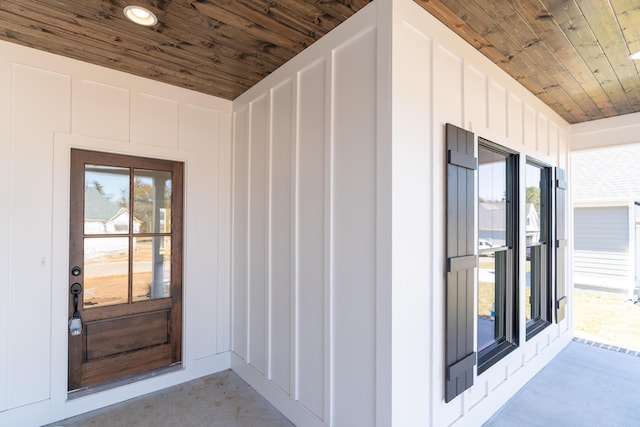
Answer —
(572, 54)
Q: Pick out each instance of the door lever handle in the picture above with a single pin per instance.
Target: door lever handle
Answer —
(75, 322)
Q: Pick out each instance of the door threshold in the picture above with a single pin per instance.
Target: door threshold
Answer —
(87, 391)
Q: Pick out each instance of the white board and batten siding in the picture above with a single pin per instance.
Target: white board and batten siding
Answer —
(324, 209)
(304, 225)
(439, 79)
(51, 105)
(310, 305)
(602, 248)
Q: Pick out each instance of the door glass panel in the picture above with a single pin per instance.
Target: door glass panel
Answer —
(106, 200)
(151, 268)
(106, 271)
(151, 201)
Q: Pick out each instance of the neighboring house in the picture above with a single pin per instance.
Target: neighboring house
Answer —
(607, 218)
(532, 224)
(105, 217)
(492, 220)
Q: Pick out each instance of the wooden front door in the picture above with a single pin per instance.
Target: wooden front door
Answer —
(125, 266)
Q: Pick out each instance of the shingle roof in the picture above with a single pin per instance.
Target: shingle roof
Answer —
(98, 207)
(606, 174)
(492, 216)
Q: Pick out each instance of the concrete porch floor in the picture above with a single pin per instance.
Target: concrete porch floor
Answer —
(585, 385)
(219, 400)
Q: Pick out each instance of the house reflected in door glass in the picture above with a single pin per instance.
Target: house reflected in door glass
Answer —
(106, 200)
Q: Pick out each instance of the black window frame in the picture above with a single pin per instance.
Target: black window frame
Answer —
(544, 278)
(490, 355)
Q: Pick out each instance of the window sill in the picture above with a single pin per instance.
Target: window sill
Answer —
(492, 355)
(535, 327)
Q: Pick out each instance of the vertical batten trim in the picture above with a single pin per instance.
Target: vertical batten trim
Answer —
(232, 258)
(435, 165)
(505, 130)
(247, 301)
(487, 101)
(385, 23)
(432, 229)
(218, 231)
(293, 279)
(329, 239)
(536, 128)
(507, 113)
(268, 297)
(295, 371)
(463, 73)
(227, 165)
(6, 154)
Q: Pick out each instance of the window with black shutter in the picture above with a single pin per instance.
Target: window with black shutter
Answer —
(482, 201)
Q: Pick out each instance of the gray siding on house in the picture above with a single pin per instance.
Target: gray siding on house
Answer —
(601, 247)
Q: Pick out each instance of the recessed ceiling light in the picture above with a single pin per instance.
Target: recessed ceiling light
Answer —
(635, 55)
(140, 15)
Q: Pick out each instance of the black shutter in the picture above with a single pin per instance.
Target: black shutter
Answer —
(461, 261)
(561, 244)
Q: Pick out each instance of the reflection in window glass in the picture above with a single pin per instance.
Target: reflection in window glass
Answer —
(537, 217)
(496, 273)
(152, 201)
(106, 200)
(106, 271)
(492, 203)
(151, 268)
(532, 210)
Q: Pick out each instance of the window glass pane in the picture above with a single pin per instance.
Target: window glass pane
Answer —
(106, 200)
(492, 191)
(151, 268)
(151, 201)
(492, 299)
(493, 212)
(106, 271)
(537, 185)
(532, 209)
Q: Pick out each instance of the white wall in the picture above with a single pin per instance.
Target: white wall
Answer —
(338, 302)
(309, 216)
(48, 105)
(336, 176)
(305, 226)
(439, 79)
